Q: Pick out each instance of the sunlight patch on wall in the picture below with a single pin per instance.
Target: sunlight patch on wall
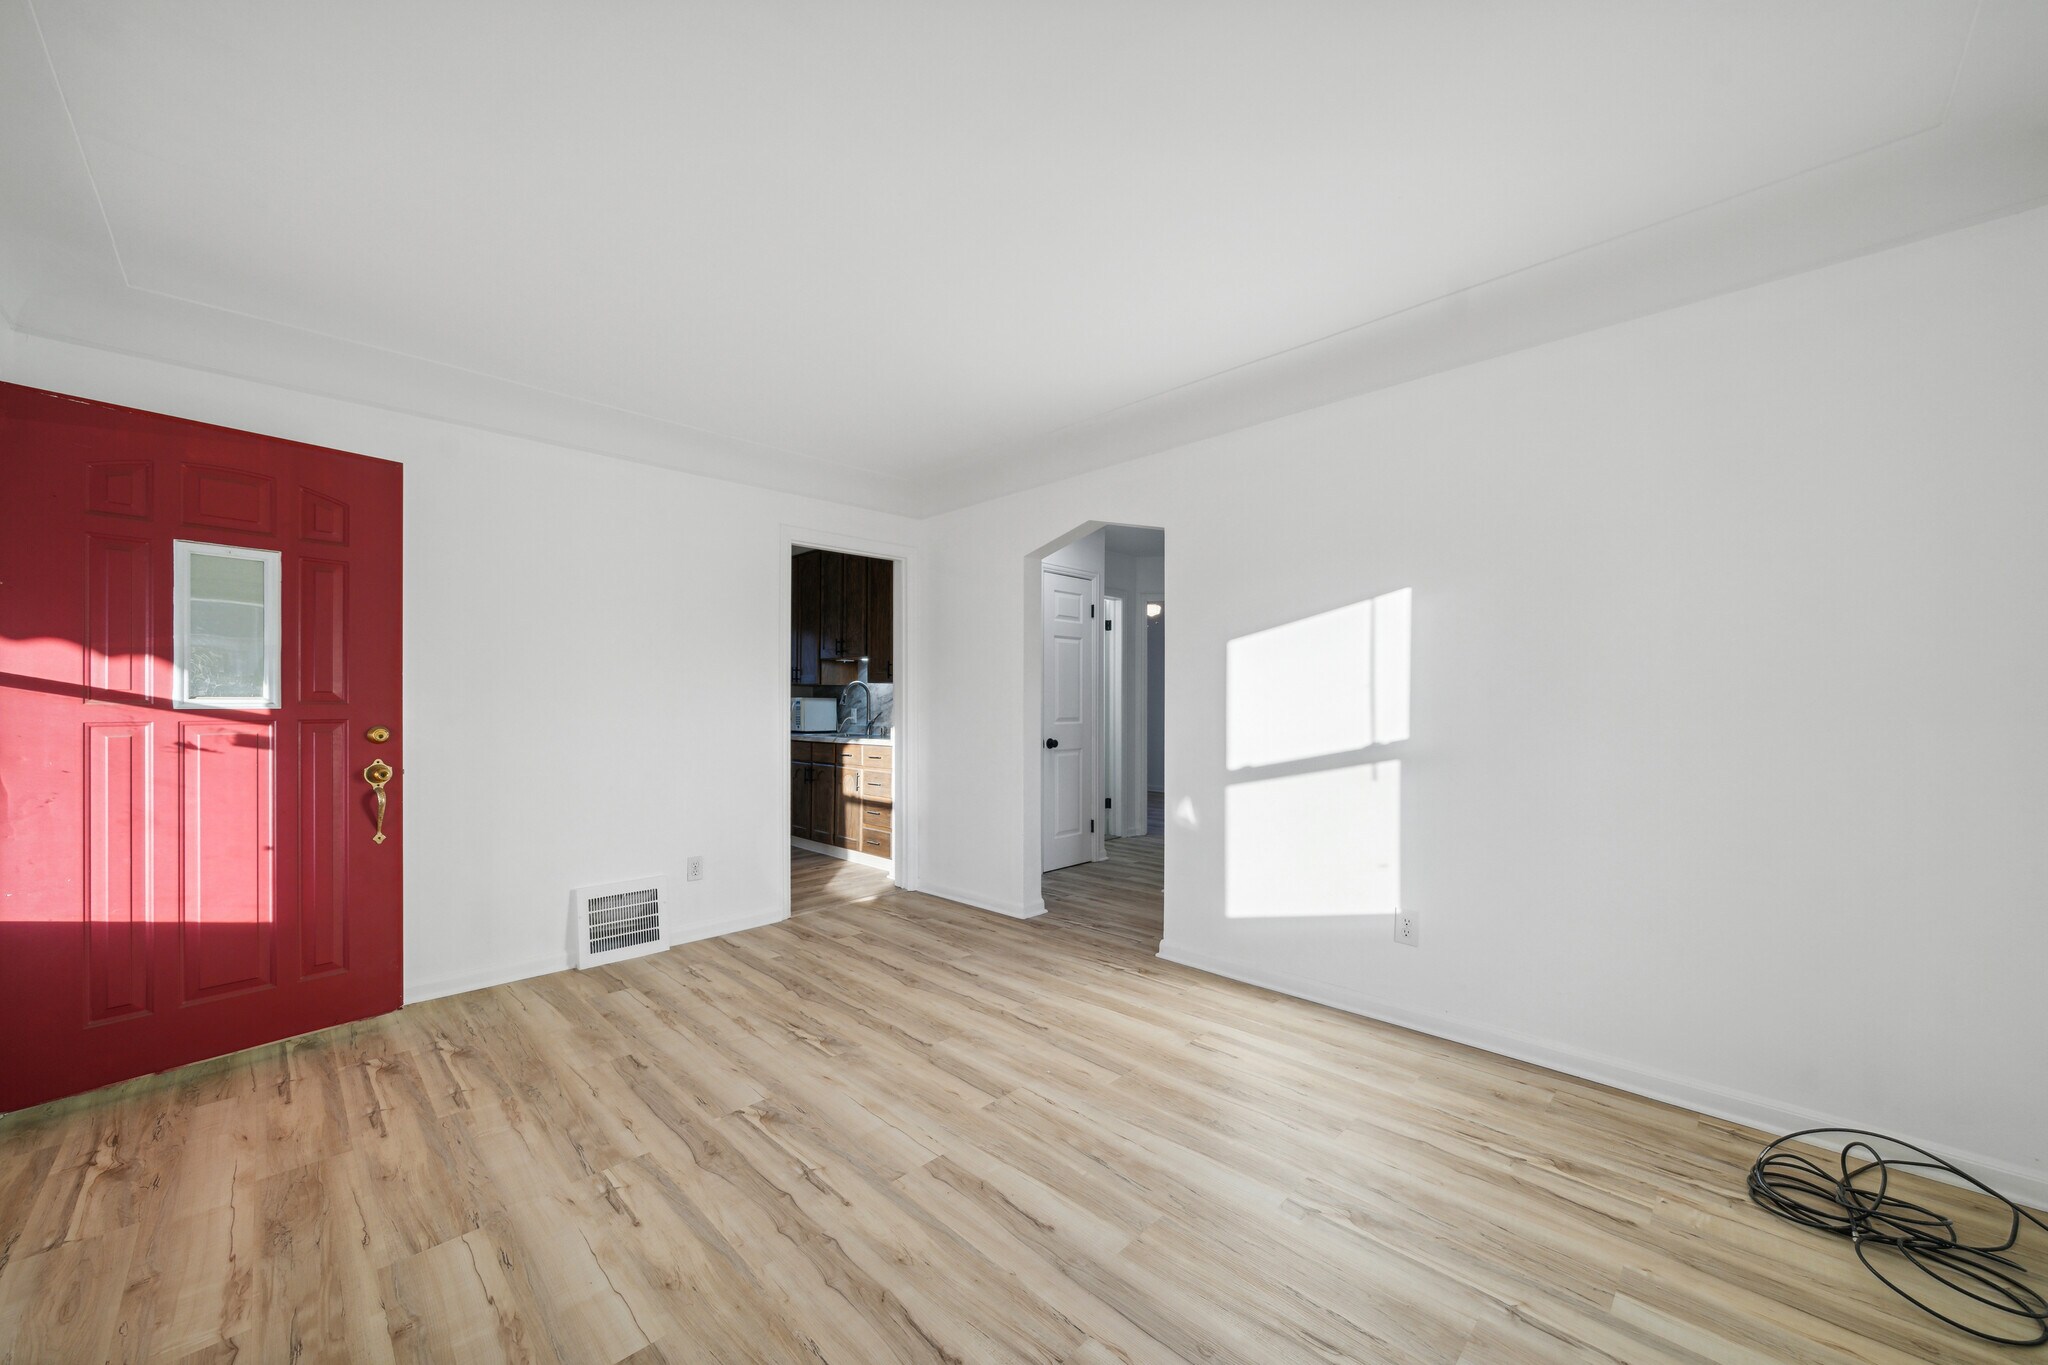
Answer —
(1326, 684)
(1317, 843)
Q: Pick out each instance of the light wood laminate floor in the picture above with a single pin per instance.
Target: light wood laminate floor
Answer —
(898, 1129)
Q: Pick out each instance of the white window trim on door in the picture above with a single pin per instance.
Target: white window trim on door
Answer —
(182, 554)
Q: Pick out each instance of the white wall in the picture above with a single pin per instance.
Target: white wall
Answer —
(620, 628)
(1726, 781)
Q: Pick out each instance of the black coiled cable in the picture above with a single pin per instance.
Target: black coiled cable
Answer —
(1855, 1202)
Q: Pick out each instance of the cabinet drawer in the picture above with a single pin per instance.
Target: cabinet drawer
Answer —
(845, 755)
(877, 786)
(875, 841)
(873, 816)
(877, 756)
(799, 751)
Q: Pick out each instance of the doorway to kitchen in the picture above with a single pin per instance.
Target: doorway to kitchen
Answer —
(843, 728)
(1100, 735)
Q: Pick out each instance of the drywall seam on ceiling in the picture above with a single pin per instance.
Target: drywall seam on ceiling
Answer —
(78, 143)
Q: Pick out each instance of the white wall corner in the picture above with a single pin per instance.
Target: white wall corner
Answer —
(1031, 909)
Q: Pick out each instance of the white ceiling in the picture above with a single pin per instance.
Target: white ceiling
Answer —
(913, 254)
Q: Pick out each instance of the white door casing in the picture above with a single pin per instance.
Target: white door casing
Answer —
(1112, 713)
(1067, 783)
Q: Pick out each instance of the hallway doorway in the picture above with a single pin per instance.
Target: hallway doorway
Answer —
(1116, 888)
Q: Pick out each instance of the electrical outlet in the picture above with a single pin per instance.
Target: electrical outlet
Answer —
(695, 870)
(1408, 928)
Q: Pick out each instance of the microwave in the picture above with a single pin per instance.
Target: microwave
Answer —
(810, 715)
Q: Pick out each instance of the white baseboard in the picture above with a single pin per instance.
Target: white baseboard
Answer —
(1013, 909)
(434, 989)
(690, 933)
(416, 991)
(2028, 1186)
(845, 855)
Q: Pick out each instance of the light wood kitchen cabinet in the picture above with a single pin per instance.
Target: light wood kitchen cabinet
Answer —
(846, 812)
(843, 795)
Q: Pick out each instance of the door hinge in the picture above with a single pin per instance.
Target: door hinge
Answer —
(1108, 803)
(1091, 611)
(1108, 624)
(1091, 826)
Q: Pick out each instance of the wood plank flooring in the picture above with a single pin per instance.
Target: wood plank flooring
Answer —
(897, 1129)
(1122, 898)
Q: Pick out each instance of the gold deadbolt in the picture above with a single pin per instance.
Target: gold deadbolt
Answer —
(377, 734)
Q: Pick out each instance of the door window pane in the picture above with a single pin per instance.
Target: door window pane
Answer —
(227, 626)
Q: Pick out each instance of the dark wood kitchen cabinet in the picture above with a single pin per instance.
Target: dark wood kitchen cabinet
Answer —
(841, 607)
(814, 791)
(831, 588)
(881, 620)
(806, 615)
(800, 791)
(849, 630)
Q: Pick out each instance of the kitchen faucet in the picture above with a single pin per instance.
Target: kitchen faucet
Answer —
(867, 705)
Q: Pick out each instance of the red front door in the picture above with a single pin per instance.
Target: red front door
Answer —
(199, 636)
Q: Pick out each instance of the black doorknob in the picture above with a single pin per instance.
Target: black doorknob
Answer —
(1052, 744)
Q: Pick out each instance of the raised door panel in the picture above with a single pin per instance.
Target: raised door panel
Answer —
(1069, 676)
(799, 799)
(119, 905)
(122, 488)
(227, 850)
(119, 658)
(323, 631)
(322, 519)
(325, 789)
(231, 499)
(881, 620)
(1066, 773)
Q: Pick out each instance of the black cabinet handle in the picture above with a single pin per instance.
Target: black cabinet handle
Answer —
(1052, 744)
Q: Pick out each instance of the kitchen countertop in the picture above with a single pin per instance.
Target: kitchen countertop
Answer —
(829, 737)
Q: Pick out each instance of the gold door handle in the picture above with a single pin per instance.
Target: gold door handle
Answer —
(377, 774)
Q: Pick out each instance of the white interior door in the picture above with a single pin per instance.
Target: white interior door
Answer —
(1065, 784)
